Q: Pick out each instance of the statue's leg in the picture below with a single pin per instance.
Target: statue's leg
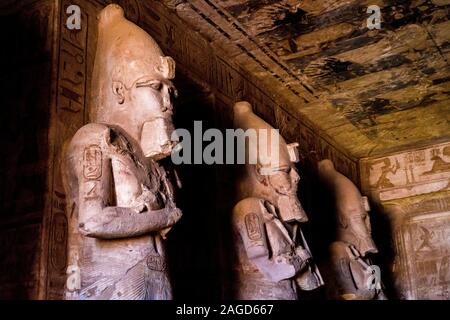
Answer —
(129, 286)
(158, 285)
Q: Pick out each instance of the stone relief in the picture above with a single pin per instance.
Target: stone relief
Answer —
(273, 259)
(409, 174)
(120, 201)
(421, 231)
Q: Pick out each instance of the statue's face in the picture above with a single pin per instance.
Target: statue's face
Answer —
(285, 182)
(147, 114)
(152, 98)
(360, 232)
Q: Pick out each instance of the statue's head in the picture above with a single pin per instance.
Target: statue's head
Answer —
(352, 209)
(274, 176)
(356, 230)
(131, 85)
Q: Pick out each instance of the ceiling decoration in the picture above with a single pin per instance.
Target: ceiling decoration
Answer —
(389, 86)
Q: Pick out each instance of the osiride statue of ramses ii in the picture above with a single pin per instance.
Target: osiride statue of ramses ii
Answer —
(120, 200)
(273, 259)
(350, 273)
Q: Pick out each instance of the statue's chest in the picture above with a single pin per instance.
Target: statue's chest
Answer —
(279, 238)
(130, 174)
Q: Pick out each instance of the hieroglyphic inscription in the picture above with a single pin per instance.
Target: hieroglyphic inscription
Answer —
(427, 241)
(156, 262)
(72, 68)
(408, 174)
(253, 226)
(92, 163)
(420, 233)
(413, 189)
(59, 233)
(70, 115)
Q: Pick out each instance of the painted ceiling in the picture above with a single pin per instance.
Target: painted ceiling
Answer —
(370, 91)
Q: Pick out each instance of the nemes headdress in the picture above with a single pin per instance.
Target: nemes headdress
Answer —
(125, 53)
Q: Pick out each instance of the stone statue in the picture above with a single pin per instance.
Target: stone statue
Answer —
(273, 260)
(120, 200)
(351, 275)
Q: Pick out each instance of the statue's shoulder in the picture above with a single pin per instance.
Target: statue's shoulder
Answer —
(92, 136)
(248, 206)
(92, 131)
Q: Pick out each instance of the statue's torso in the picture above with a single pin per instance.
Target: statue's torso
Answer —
(251, 283)
(347, 277)
(105, 262)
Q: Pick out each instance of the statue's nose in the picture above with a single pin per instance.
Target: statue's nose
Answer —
(166, 107)
(167, 101)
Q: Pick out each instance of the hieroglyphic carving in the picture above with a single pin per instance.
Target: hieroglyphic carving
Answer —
(70, 114)
(58, 233)
(72, 65)
(439, 164)
(408, 174)
(421, 234)
(155, 262)
(92, 163)
(412, 188)
(253, 225)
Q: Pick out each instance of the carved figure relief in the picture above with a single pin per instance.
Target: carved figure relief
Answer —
(439, 164)
(408, 174)
(121, 198)
(273, 259)
(386, 169)
(428, 253)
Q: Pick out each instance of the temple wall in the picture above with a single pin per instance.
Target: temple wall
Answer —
(411, 190)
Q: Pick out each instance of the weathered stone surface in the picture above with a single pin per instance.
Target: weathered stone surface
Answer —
(120, 202)
(350, 274)
(273, 260)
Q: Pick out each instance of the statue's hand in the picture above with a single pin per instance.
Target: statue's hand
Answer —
(283, 267)
(174, 215)
(97, 222)
(145, 201)
(303, 254)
